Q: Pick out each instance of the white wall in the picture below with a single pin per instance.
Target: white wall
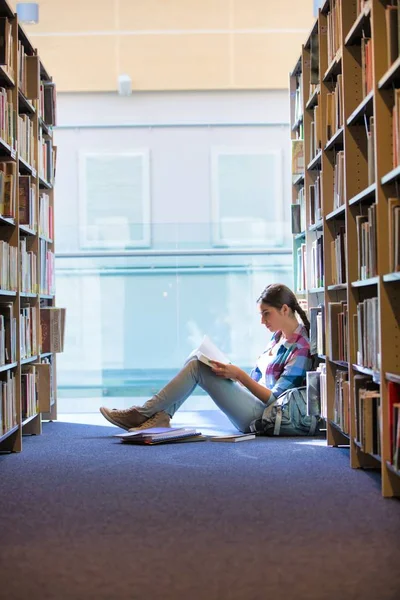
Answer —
(180, 130)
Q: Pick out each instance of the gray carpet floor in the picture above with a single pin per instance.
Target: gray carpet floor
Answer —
(83, 516)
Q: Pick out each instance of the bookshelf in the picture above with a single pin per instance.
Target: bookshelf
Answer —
(346, 83)
(27, 170)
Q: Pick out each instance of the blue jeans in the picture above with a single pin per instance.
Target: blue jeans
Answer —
(240, 406)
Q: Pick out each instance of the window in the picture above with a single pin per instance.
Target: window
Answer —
(247, 200)
(114, 200)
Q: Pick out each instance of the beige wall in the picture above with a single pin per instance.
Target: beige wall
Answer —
(171, 44)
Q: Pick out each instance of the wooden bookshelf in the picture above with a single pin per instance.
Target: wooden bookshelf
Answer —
(359, 169)
(28, 166)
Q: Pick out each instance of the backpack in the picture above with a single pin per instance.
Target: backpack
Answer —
(287, 415)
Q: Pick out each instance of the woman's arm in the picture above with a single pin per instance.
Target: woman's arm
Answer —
(237, 374)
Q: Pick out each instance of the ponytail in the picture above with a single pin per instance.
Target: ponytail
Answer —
(302, 314)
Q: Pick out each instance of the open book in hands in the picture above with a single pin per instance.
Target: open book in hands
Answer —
(207, 352)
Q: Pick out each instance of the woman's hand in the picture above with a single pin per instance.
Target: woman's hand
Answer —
(226, 371)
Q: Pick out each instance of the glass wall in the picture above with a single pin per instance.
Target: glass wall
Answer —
(133, 317)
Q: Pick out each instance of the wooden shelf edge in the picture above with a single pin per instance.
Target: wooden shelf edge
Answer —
(8, 367)
(357, 25)
(26, 361)
(391, 277)
(391, 176)
(368, 193)
(361, 109)
(298, 179)
(392, 469)
(315, 161)
(340, 363)
(318, 290)
(390, 76)
(376, 376)
(335, 67)
(316, 226)
(335, 213)
(337, 287)
(7, 434)
(312, 101)
(337, 138)
(29, 419)
(365, 282)
(339, 429)
(392, 377)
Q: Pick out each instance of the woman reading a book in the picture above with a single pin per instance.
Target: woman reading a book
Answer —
(242, 397)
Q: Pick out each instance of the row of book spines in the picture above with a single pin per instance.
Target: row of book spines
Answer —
(47, 284)
(28, 263)
(366, 236)
(47, 160)
(26, 140)
(51, 328)
(29, 396)
(334, 29)
(27, 208)
(8, 118)
(37, 387)
(393, 391)
(8, 336)
(28, 338)
(366, 243)
(317, 263)
(47, 106)
(6, 48)
(368, 416)
(341, 407)
(8, 403)
(37, 380)
(365, 332)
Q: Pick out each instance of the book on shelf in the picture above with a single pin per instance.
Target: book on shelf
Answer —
(339, 181)
(395, 450)
(298, 157)
(207, 352)
(52, 329)
(338, 257)
(160, 435)
(366, 66)
(393, 400)
(368, 423)
(391, 16)
(295, 214)
(9, 333)
(8, 418)
(341, 410)
(394, 234)
(337, 319)
(235, 437)
(366, 243)
(317, 330)
(368, 341)
(315, 213)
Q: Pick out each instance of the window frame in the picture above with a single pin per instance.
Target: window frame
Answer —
(216, 238)
(145, 241)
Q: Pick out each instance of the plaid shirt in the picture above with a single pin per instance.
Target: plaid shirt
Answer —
(287, 368)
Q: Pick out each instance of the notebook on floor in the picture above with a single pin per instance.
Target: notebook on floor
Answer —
(158, 435)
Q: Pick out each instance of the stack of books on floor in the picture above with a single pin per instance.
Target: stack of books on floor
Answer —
(161, 435)
(165, 435)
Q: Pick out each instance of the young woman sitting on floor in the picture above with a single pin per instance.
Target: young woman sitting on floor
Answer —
(242, 397)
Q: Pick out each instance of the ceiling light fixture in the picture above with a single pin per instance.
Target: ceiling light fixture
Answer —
(28, 12)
